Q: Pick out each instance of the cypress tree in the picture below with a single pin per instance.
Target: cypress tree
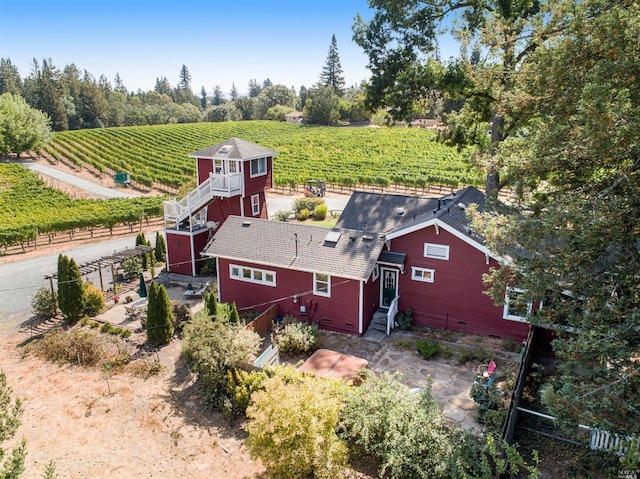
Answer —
(159, 315)
(234, 317)
(71, 299)
(161, 248)
(212, 304)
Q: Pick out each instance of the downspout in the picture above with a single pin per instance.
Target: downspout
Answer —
(193, 255)
(218, 277)
(360, 307)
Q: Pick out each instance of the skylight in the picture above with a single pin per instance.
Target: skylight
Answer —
(224, 150)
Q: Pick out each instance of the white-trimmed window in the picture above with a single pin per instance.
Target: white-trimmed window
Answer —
(232, 166)
(252, 275)
(516, 305)
(255, 204)
(258, 167)
(321, 284)
(218, 167)
(422, 274)
(436, 251)
(376, 273)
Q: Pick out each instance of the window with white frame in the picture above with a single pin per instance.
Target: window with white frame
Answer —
(321, 284)
(376, 273)
(232, 166)
(252, 275)
(436, 251)
(218, 167)
(255, 204)
(516, 305)
(422, 274)
(258, 167)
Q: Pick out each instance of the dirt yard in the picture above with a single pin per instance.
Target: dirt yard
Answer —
(96, 425)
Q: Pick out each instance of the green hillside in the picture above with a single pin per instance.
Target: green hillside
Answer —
(341, 155)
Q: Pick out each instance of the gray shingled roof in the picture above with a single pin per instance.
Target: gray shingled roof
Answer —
(451, 210)
(273, 243)
(240, 150)
(378, 212)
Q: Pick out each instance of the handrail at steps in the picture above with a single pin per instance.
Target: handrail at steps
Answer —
(391, 314)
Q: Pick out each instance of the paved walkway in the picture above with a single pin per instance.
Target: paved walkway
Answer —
(451, 382)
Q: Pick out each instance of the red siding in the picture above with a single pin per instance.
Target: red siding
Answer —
(456, 299)
(370, 301)
(337, 313)
(248, 207)
(221, 208)
(204, 166)
(179, 253)
(259, 183)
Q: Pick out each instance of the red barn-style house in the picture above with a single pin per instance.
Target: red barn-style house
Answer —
(387, 253)
(232, 179)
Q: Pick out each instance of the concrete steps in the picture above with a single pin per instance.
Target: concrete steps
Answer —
(377, 330)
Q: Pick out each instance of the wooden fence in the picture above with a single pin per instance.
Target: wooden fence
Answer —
(262, 324)
(525, 364)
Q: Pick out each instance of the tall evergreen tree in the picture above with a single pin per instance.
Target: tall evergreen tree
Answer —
(184, 78)
(266, 83)
(162, 86)
(70, 289)
(233, 94)
(203, 98)
(159, 315)
(46, 92)
(254, 88)
(10, 81)
(161, 249)
(332, 71)
(93, 104)
(118, 85)
(217, 96)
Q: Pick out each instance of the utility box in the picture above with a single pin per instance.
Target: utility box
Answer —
(123, 179)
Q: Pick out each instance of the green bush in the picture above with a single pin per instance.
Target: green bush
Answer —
(427, 347)
(309, 204)
(43, 303)
(320, 212)
(241, 385)
(303, 214)
(282, 215)
(94, 302)
(405, 319)
(489, 401)
(132, 267)
(292, 426)
(214, 347)
(296, 338)
(407, 433)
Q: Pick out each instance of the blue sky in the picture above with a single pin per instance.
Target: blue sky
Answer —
(285, 41)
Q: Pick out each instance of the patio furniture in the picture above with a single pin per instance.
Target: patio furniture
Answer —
(191, 293)
(486, 374)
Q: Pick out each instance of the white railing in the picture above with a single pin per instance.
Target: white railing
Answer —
(198, 198)
(609, 441)
(391, 314)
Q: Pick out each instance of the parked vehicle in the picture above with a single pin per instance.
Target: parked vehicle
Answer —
(314, 188)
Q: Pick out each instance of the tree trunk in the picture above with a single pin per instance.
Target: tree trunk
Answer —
(492, 185)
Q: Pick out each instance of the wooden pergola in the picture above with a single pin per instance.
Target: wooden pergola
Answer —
(111, 261)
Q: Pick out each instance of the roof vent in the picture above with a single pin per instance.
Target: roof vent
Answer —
(246, 224)
(352, 238)
(462, 206)
(368, 239)
(399, 211)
